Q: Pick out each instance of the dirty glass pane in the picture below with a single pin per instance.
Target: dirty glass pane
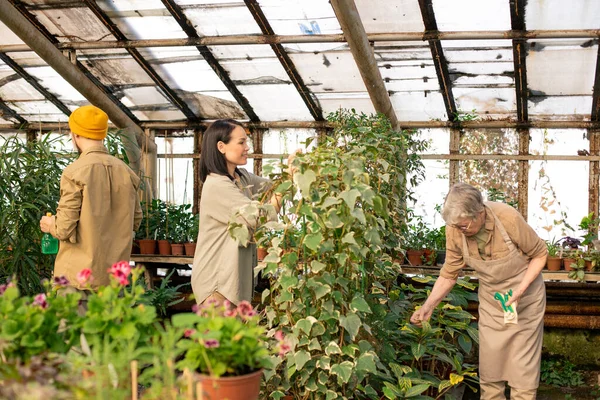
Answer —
(114, 68)
(56, 85)
(213, 19)
(332, 102)
(432, 191)
(472, 15)
(394, 16)
(559, 14)
(34, 111)
(484, 102)
(7, 36)
(300, 17)
(73, 24)
(438, 138)
(419, 106)
(487, 174)
(148, 103)
(175, 180)
(27, 59)
(329, 71)
(558, 193)
(565, 142)
(273, 102)
(19, 90)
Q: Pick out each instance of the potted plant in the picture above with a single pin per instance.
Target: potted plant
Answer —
(148, 232)
(571, 251)
(554, 261)
(192, 235)
(227, 347)
(179, 220)
(414, 241)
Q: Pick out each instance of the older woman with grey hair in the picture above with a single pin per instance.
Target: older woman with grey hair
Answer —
(508, 256)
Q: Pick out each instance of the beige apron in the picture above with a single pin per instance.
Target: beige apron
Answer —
(511, 352)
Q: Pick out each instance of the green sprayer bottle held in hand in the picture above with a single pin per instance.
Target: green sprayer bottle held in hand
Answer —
(49, 242)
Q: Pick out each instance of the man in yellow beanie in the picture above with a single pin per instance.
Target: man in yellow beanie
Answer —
(99, 208)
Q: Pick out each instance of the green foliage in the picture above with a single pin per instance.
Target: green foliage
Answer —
(430, 360)
(179, 221)
(32, 326)
(560, 372)
(164, 296)
(29, 187)
(223, 341)
(589, 225)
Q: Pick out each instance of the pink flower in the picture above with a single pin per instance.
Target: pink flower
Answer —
(284, 348)
(61, 281)
(121, 271)
(3, 289)
(195, 308)
(245, 309)
(84, 276)
(189, 332)
(279, 336)
(211, 343)
(40, 300)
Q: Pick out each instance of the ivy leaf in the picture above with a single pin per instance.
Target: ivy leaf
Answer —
(305, 324)
(351, 322)
(349, 238)
(313, 241)
(304, 181)
(333, 348)
(331, 395)
(319, 288)
(366, 362)
(360, 304)
(349, 197)
(343, 371)
(317, 266)
(240, 233)
(301, 358)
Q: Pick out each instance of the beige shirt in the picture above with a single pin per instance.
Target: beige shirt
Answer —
(491, 245)
(220, 264)
(97, 213)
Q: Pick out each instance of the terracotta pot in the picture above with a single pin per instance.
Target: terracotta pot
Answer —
(588, 266)
(190, 248)
(567, 263)
(414, 257)
(147, 246)
(164, 248)
(245, 387)
(177, 249)
(553, 263)
(261, 253)
(429, 255)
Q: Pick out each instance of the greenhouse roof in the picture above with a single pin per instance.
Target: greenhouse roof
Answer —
(174, 64)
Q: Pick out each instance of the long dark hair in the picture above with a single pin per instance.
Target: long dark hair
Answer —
(211, 159)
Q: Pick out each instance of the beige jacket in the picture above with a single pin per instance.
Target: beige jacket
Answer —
(494, 248)
(97, 213)
(219, 263)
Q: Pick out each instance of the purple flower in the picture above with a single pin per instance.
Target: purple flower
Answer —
(61, 280)
(189, 332)
(3, 289)
(211, 343)
(40, 300)
(195, 308)
(245, 309)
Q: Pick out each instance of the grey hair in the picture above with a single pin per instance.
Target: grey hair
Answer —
(463, 201)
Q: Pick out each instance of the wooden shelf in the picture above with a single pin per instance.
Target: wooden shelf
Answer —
(147, 258)
(548, 275)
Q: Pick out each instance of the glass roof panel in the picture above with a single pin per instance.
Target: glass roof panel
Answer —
(254, 64)
(75, 24)
(19, 90)
(148, 103)
(395, 16)
(329, 71)
(332, 102)
(149, 27)
(56, 85)
(275, 102)
(419, 106)
(472, 15)
(131, 5)
(561, 67)
(214, 19)
(486, 102)
(559, 14)
(38, 111)
(115, 68)
(300, 17)
(560, 107)
(7, 36)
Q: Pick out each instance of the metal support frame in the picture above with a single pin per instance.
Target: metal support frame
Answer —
(594, 138)
(36, 85)
(198, 135)
(439, 60)
(360, 47)
(142, 62)
(286, 62)
(257, 149)
(7, 112)
(454, 149)
(523, 173)
(320, 38)
(208, 56)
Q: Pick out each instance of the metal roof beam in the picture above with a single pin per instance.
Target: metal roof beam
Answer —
(6, 112)
(439, 60)
(156, 78)
(517, 21)
(329, 38)
(263, 23)
(33, 82)
(47, 51)
(208, 56)
(354, 31)
(596, 93)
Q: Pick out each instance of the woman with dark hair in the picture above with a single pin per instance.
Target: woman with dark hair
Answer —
(222, 269)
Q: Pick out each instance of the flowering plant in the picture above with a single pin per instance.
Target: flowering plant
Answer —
(223, 340)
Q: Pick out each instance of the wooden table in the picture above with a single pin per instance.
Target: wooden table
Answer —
(152, 263)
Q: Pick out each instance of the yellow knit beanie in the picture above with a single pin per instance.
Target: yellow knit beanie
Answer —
(90, 122)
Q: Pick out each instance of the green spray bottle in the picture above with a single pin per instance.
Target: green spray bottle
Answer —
(49, 242)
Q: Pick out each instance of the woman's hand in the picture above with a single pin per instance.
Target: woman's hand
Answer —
(422, 314)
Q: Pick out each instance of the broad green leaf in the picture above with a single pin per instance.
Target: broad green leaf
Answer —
(366, 362)
(417, 350)
(301, 358)
(324, 363)
(305, 324)
(349, 238)
(314, 344)
(304, 180)
(333, 348)
(331, 395)
(343, 371)
(465, 343)
(332, 220)
(351, 322)
(416, 390)
(313, 241)
(316, 266)
(360, 304)
(349, 197)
